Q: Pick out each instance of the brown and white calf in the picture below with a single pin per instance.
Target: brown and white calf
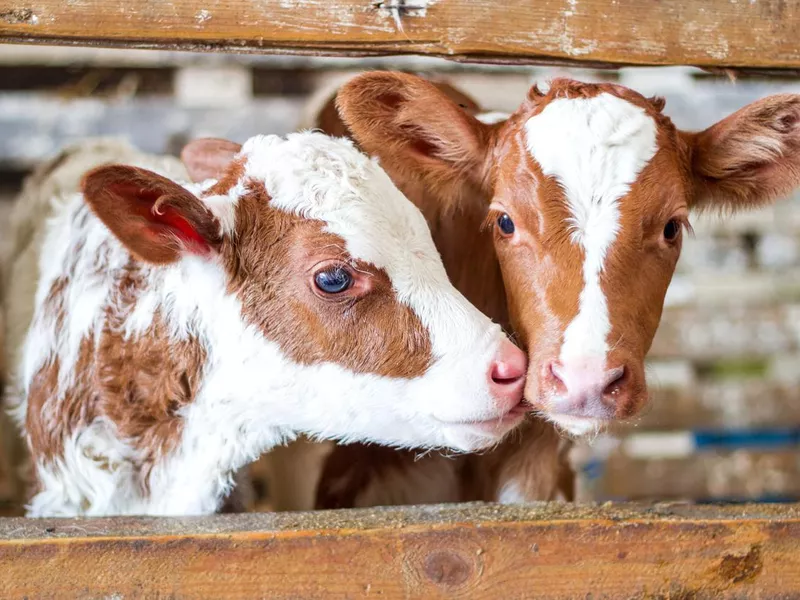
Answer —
(179, 330)
(584, 192)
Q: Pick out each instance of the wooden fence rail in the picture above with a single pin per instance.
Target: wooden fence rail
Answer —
(476, 551)
(759, 34)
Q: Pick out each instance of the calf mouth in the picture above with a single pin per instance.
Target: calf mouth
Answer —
(497, 425)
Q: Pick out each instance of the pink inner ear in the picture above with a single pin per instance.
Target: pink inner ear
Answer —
(161, 218)
(181, 227)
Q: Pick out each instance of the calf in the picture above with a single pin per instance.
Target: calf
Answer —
(584, 193)
(180, 330)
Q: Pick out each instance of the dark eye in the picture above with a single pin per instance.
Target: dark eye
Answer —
(334, 280)
(505, 224)
(671, 230)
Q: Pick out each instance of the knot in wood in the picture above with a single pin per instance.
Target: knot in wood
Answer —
(448, 568)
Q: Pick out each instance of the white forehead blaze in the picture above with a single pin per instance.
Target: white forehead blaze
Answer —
(320, 177)
(595, 148)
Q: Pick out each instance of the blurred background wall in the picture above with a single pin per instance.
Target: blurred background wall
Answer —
(724, 423)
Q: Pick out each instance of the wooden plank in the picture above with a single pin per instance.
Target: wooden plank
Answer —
(723, 474)
(707, 333)
(478, 551)
(710, 33)
(734, 404)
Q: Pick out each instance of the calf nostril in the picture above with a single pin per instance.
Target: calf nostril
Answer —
(615, 380)
(556, 372)
(506, 374)
(555, 376)
(509, 366)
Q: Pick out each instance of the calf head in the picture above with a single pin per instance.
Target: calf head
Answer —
(588, 189)
(332, 277)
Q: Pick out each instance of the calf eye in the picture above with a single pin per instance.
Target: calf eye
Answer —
(334, 280)
(505, 224)
(671, 230)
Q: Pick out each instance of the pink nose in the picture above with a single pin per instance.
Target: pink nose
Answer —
(588, 388)
(507, 375)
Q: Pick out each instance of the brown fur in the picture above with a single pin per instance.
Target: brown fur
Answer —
(143, 385)
(530, 461)
(270, 269)
(449, 163)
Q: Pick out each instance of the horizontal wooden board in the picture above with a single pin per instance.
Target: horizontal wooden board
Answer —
(710, 333)
(468, 551)
(712, 33)
(34, 127)
(748, 403)
(736, 474)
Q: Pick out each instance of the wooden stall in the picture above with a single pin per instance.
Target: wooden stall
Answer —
(469, 551)
(716, 33)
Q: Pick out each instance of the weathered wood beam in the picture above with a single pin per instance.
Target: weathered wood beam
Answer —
(475, 551)
(710, 33)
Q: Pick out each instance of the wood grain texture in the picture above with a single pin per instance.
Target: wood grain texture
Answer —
(736, 404)
(709, 33)
(731, 474)
(474, 551)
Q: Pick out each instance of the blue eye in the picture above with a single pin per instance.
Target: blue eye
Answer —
(334, 280)
(505, 224)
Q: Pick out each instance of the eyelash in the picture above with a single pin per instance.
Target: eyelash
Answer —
(491, 218)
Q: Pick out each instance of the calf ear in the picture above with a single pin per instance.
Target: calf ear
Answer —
(749, 158)
(328, 120)
(208, 158)
(155, 218)
(414, 127)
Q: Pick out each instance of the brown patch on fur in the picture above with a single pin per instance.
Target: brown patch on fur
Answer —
(44, 442)
(530, 459)
(329, 121)
(349, 470)
(75, 406)
(137, 383)
(271, 268)
(143, 383)
(229, 179)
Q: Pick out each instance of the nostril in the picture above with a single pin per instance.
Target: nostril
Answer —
(555, 377)
(556, 371)
(506, 374)
(509, 366)
(615, 380)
